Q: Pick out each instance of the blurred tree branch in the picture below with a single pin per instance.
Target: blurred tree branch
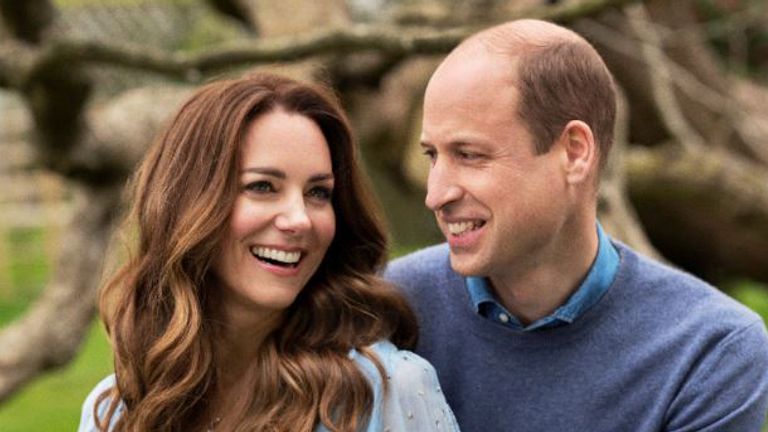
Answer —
(389, 40)
(240, 10)
(615, 212)
(721, 199)
(661, 82)
(380, 71)
(27, 20)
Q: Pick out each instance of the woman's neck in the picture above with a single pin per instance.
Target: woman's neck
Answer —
(239, 343)
(238, 339)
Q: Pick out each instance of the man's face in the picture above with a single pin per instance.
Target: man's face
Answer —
(500, 206)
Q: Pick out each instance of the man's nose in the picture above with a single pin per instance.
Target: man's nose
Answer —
(442, 186)
(293, 217)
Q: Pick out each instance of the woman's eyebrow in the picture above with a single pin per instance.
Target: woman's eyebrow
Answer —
(321, 177)
(274, 172)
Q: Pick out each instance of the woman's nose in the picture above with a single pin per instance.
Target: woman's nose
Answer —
(293, 216)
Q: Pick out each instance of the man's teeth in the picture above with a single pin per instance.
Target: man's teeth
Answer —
(276, 255)
(462, 227)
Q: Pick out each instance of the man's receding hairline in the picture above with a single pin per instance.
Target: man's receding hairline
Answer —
(521, 37)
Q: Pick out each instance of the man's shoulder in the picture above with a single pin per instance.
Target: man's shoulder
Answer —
(419, 272)
(674, 289)
(428, 261)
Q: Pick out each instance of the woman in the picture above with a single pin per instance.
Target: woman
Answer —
(252, 301)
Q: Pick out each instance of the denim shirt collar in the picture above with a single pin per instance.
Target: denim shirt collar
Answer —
(591, 290)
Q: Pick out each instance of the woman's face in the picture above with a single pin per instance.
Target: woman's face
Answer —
(282, 222)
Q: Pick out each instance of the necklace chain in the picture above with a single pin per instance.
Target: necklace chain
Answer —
(212, 424)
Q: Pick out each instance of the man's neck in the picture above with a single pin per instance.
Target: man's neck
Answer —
(537, 291)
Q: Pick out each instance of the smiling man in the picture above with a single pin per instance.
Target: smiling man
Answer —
(533, 317)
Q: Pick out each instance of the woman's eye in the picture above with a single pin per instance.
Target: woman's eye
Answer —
(321, 193)
(261, 186)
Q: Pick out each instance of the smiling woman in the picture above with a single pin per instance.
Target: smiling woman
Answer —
(283, 221)
(252, 302)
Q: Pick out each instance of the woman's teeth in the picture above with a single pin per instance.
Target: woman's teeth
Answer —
(276, 255)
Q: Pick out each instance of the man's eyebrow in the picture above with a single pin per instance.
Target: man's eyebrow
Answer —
(458, 143)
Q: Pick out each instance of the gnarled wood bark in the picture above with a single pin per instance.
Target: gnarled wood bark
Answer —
(707, 210)
(50, 332)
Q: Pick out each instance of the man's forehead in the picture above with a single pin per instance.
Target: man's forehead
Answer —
(474, 71)
(471, 93)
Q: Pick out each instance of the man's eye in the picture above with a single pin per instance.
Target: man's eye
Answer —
(468, 155)
(261, 186)
(321, 193)
(431, 154)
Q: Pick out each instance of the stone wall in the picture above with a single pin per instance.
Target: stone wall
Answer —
(29, 196)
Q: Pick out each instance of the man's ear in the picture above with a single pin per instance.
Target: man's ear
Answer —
(580, 150)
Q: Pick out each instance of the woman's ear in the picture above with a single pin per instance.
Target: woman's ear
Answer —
(580, 150)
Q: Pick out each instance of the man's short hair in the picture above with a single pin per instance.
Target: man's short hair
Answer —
(560, 77)
(566, 81)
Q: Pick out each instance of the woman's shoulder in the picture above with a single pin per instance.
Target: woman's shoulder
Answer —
(399, 365)
(413, 399)
(89, 411)
(403, 366)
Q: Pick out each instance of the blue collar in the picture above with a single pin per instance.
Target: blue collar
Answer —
(591, 290)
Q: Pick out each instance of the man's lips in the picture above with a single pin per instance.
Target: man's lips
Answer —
(461, 228)
(464, 234)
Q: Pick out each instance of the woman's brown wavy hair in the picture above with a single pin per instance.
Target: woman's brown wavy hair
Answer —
(157, 307)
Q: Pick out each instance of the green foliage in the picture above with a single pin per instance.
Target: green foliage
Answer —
(752, 294)
(25, 270)
(208, 30)
(201, 29)
(53, 401)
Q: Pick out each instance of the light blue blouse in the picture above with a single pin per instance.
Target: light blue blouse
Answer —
(413, 402)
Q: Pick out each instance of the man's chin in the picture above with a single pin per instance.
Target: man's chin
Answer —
(465, 265)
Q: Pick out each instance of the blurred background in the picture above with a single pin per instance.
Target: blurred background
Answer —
(85, 85)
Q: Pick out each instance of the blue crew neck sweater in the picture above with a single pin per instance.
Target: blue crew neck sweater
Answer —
(661, 351)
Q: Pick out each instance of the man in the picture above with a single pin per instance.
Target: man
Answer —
(534, 319)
